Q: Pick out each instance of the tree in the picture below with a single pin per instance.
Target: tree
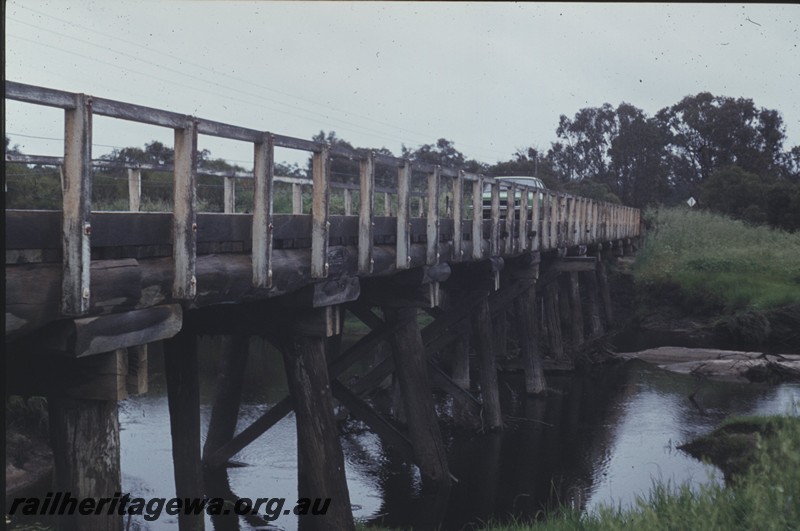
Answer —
(638, 172)
(707, 132)
(737, 193)
(345, 169)
(11, 150)
(621, 148)
(531, 162)
(583, 151)
(783, 206)
(445, 154)
(30, 186)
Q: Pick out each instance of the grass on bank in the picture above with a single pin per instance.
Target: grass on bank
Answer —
(765, 497)
(720, 260)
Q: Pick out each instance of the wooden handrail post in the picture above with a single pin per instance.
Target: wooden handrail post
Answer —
(563, 221)
(524, 197)
(134, 189)
(458, 217)
(320, 226)
(365, 213)
(403, 255)
(510, 214)
(77, 207)
(494, 234)
(297, 199)
(477, 218)
(387, 204)
(536, 227)
(348, 201)
(553, 221)
(184, 221)
(229, 195)
(569, 224)
(263, 178)
(545, 238)
(432, 222)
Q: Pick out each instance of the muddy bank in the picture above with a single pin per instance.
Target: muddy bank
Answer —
(656, 316)
(723, 364)
(733, 447)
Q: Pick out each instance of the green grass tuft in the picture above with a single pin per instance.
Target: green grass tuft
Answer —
(721, 260)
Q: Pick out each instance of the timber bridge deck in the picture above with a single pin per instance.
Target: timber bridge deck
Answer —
(87, 291)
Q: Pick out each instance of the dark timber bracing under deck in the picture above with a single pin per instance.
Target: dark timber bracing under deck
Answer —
(108, 284)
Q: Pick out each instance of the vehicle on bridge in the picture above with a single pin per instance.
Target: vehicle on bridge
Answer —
(505, 184)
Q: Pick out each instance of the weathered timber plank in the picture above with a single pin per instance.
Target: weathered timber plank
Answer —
(93, 335)
(262, 224)
(124, 285)
(403, 217)
(138, 113)
(494, 234)
(432, 220)
(134, 189)
(320, 226)
(39, 230)
(477, 219)
(536, 225)
(184, 222)
(366, 213)
(511, 195)
(39, 95)
(76, 207)
(522, 237)
(458, 217)
(80, 432)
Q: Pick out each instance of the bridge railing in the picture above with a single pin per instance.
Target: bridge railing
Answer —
(548, 220)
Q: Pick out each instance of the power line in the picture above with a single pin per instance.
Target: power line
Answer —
(203, 67)
(261, 87)
(228, 97)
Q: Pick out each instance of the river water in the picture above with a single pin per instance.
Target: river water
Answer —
(597, 438)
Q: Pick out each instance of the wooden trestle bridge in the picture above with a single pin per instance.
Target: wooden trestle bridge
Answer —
(87, 291)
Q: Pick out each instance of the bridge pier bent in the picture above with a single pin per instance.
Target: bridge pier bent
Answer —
(108, 284)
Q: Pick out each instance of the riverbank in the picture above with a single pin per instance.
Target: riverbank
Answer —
(703, 280)
(761, 453)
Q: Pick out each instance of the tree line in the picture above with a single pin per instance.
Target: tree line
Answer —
(727, 153)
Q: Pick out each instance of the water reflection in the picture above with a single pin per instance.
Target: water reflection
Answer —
(598, 437)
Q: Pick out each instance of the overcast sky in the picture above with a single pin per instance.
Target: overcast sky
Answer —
(492, 77)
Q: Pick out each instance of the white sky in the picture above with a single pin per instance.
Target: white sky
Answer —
(492, 77)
